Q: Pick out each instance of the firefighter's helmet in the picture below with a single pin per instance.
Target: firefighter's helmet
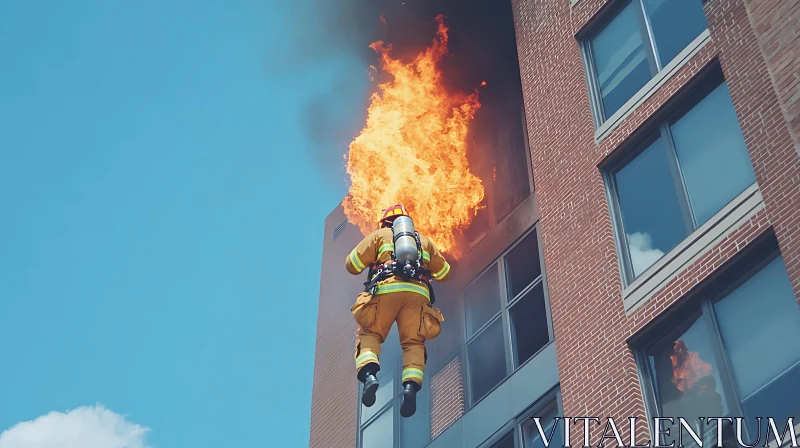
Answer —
(389, 214)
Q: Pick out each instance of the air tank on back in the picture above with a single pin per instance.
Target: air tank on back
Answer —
(405, 241)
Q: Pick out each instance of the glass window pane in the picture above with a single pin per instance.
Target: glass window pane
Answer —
(522, 265)
(487, 360)
(380, 432)
(675, 24)
(759, 322)
(510, 182)
(713, 157)
(530, 433)
(621, 59)
(529, 331)
(451, 337)
(649, 201)
(482, 300)
(686, 377)
(506, 442)
(383, 396)
(416, 430)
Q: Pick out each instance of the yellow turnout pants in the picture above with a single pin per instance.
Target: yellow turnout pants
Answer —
(417, 322)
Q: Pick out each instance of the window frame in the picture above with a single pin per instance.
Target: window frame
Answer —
(657, 127)
(745, 265)
(514, 426)
(586, 37)
(503, 314)
(552, 396)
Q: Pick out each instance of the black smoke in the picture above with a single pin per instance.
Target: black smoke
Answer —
(481, 43)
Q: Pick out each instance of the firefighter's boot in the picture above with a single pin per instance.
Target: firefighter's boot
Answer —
(370, 387)
(409, 406)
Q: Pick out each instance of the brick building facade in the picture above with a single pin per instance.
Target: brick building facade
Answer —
(663, 141)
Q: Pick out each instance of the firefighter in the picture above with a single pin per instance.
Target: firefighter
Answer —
(391, 297)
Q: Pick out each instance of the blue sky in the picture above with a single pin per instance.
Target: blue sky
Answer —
(162, 216)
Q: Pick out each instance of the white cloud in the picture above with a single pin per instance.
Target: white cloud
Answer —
(642, 253)
(84, 427)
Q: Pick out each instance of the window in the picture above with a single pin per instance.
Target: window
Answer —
(528, 334)
(487, 360)
(641, 37)
(522, 432)
(506, 317)
(380, 432)
(339, 229)
(482, 301)
(735, 356)
(498, 156)
(531, 438)
(381, 424)
(694, 164)
(506, 442)
(415, 431)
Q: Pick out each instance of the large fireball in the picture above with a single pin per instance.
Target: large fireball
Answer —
(413, 150)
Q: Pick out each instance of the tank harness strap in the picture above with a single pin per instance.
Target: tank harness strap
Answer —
(381, 272)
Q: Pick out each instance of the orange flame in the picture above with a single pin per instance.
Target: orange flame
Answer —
(687, 367)
(412, 150)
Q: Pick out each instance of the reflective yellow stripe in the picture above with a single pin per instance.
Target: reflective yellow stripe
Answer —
(403, 287)
(445, 270)
(389, 247)
(356, 262)
(412, 373)
(366, 356)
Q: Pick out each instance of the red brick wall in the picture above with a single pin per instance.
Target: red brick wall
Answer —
(777, 25)
(335, 391)
(775, 159)
(578, 243)
(447, 397)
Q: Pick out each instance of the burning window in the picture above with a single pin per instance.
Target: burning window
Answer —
(445, 132)
(686, 377)
(713, 364)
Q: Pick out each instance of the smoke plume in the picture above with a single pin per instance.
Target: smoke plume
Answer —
(339, 33)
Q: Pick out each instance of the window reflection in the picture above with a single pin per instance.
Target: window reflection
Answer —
(383, 395)
(482, 300)
(649, 200)
(487, 360)
(620, 60)
(757, 322)
(529, 329)
(415, 432)
(675, 24)
(667, 191)
(547, 418)
(714, 160)
(522, 265)
(506, 442)
(379, 433)
(687, 380)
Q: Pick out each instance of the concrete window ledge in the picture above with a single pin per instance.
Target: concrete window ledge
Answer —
(700, 242)
(529, 383)
(652, 86)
